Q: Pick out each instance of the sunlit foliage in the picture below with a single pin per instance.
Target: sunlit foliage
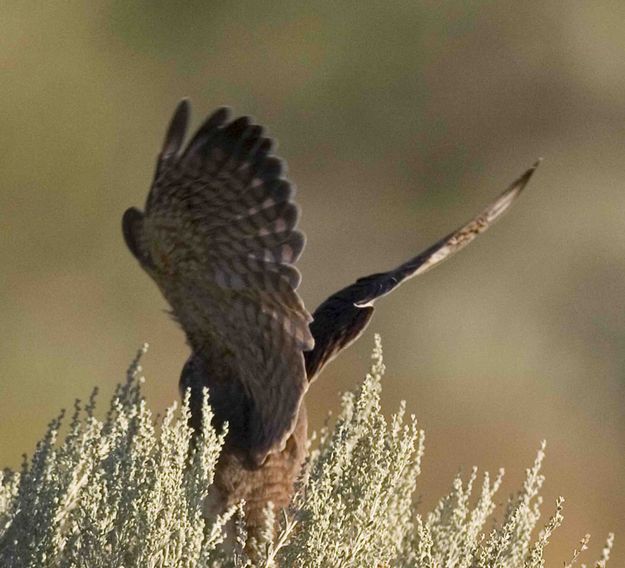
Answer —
(127, 491)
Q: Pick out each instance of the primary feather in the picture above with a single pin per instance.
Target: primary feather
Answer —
(218, 237)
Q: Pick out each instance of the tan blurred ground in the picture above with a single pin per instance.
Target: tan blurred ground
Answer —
(399, 120)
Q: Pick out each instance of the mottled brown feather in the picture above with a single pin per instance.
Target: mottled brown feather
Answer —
(218, 237)
(341, 319)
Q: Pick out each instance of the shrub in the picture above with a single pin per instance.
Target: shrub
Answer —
(127, 491)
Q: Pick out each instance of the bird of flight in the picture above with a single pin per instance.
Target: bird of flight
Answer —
(218, 236)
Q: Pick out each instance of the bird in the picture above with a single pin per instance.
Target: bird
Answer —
(218, 235)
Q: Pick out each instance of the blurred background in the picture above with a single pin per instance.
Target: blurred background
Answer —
(399, 121)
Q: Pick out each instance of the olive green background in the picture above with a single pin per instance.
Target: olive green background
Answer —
(399, 121)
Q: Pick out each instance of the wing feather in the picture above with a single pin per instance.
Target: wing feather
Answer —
(368, 289)
(341, 319)
(218, 237)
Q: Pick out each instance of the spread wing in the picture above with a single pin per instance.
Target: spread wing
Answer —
(218, 237)
(339, 320)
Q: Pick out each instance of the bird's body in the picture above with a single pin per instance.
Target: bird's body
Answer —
(274, 482)
(218, 236)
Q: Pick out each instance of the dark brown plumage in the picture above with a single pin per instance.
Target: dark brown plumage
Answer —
(218, 237)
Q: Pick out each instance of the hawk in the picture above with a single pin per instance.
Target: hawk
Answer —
(218, 236)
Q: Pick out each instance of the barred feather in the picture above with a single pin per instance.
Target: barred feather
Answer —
(218, 236)
(341, 319)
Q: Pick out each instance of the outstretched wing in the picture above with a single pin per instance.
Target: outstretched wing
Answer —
(339, 320)
(218, 237)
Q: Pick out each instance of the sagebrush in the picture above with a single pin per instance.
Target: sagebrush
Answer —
(127, 491)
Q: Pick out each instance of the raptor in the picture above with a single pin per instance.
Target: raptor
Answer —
(218, 236)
